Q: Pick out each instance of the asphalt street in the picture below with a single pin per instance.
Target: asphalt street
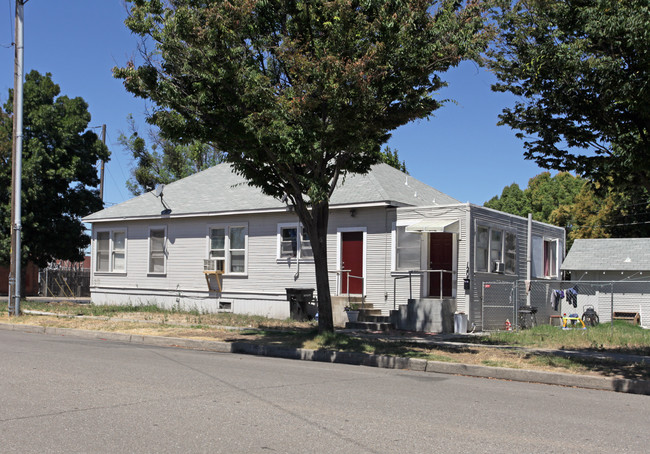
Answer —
(62, 394)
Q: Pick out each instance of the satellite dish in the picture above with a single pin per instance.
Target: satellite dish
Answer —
(159, 190)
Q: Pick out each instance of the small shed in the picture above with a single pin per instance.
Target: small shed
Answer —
(619, 268)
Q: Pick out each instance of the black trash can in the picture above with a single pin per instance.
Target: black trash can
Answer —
(298, 299)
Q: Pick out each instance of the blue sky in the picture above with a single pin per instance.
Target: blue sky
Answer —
(460, 150)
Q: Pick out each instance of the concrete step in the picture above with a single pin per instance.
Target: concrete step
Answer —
(374, 318)
(369, 312)
(368, 326)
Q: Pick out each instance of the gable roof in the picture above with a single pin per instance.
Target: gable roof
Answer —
(609, 254)
(218, 190)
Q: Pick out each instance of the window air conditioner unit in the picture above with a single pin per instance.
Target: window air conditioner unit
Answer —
(498, 267)
(212, 265)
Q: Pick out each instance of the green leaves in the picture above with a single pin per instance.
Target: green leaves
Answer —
(59, 174)
(583, 70)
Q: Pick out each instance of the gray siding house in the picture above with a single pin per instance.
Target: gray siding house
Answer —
(383, 227)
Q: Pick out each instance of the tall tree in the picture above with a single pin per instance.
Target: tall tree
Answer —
(164, 161)
(391, 157)
(543, 194)
(298, 92)
(583, 208)
(59, 174)
(581, 70)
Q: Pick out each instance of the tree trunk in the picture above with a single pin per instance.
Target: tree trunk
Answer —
(317, 230)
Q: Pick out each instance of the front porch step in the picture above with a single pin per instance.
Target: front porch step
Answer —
(369, 326)
(368, 311)
(373, 318)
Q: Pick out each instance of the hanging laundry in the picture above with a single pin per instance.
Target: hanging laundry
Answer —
(556, 297)
(572, 296)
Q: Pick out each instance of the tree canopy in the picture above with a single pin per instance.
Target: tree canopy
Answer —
(541, 197)
(581, 70)
(59, 183)
(297, 92)
(163, 160)
(583, 208)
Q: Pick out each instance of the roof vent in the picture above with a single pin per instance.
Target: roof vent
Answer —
(628, 260)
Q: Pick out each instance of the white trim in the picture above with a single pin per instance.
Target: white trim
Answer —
(111, 240)
(300, 229)
(232, 213)
(339, 251)
(165, 250)
(226, 226)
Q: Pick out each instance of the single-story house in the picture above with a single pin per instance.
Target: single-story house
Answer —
(391, 238)
(618, 272)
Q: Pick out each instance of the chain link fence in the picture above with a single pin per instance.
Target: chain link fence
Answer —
(499, 305)
(522, 304)
(64, 282)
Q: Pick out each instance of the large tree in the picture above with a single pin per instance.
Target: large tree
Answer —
(582, 207)
(580, 69)
(163, 160)
(298, 92)
(59, 183)
(541, 197)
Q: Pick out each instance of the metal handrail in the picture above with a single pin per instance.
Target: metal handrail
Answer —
(410, 273)
(348, 283)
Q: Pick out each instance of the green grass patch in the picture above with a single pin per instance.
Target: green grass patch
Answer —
(622, 337)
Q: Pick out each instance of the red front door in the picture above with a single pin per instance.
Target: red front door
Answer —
(352, 260)
(440, 258)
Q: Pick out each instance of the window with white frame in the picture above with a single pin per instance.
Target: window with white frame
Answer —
(407, 249)
(550, 258)
(229, 243)
(495, 245)
(110, 251)
(293, 242)
(545, 257)
(157, 252)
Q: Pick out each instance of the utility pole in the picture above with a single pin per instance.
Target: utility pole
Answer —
(16, 166)
(101, 173)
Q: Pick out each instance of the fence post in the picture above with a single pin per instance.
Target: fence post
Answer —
(611, 304)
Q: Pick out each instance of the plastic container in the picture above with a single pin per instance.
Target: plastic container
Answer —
(460, 323)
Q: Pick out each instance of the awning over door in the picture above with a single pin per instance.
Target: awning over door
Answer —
(434, 225)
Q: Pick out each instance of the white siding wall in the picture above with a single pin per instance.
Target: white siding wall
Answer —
(261, 291)
(458, 213)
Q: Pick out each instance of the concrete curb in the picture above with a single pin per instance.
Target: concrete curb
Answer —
(352, 358)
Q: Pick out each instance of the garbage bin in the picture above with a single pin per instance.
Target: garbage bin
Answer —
(298, 299)
(460, 322)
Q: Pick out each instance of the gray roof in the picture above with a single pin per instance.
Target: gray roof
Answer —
(609, 254)
(219, 190)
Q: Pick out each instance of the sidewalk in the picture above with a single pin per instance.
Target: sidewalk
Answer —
(391, 362)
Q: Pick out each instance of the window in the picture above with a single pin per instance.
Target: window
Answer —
(495, 245)
(157, 253)
(229, 243)
(545, 257)
(110, 251)
(407, 249)
(482, 242)
(293, 242)
(237, 250)
(510, 250)
(550, 258)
